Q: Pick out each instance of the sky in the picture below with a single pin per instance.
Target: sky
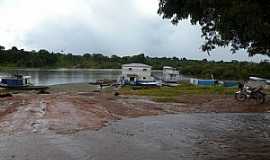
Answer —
(121, 27)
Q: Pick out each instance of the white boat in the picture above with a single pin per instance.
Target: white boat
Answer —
(257, 79)
(171, 84)
(154, 83)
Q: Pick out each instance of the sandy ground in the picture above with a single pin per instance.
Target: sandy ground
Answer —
(71, 108)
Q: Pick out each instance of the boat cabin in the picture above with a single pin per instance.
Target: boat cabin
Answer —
(136, 72)
(16, 81)
(170, 75)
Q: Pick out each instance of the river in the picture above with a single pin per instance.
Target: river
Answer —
(64, 76)
(67, 76)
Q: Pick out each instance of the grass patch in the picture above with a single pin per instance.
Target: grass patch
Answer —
(170, 93)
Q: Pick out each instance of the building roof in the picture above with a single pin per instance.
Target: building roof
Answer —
(136, 65)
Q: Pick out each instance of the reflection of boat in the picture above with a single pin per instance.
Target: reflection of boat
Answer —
(20, 82)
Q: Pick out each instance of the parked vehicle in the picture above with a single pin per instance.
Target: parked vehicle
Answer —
(250, 93)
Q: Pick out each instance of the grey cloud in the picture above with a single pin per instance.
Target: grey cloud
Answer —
(122, 30)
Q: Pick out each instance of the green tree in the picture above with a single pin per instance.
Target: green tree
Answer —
(2, 48)
(242, 24)
(201, 69)
(14, 49)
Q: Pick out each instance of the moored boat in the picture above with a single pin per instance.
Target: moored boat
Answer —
(20, 82)
(170, 84)
(151, 83)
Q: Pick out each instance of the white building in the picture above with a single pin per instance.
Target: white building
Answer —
(134, 72)
(170, 75)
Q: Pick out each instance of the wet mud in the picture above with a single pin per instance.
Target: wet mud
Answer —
(65, 112)
(187, 136)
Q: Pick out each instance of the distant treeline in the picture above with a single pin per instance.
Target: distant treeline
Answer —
(204, 69)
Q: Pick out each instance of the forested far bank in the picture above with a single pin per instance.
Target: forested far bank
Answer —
(15, 58)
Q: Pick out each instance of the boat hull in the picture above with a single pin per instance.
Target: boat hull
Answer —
(141, 83)
(24, 87)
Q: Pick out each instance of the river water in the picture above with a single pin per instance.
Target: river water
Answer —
(65, 76)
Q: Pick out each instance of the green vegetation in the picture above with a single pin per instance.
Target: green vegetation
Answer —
(241, 24)
(184, 93)
(170, 94)
(225, 70)
(178, 94)
(202, 69)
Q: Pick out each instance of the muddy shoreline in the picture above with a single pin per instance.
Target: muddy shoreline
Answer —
(75, 107)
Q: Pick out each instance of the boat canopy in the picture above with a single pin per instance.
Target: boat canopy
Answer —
(258, 79)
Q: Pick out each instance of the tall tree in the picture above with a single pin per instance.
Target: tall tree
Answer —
(241, 24)
(2, 48)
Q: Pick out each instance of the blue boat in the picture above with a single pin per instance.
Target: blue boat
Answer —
(16, 81)
(206, 82)
(19, 82)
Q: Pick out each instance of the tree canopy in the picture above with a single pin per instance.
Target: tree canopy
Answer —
(240, 24)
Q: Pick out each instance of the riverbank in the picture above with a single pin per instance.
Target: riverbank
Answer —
(74, 107)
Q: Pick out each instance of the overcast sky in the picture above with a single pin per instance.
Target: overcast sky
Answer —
(122, 27)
